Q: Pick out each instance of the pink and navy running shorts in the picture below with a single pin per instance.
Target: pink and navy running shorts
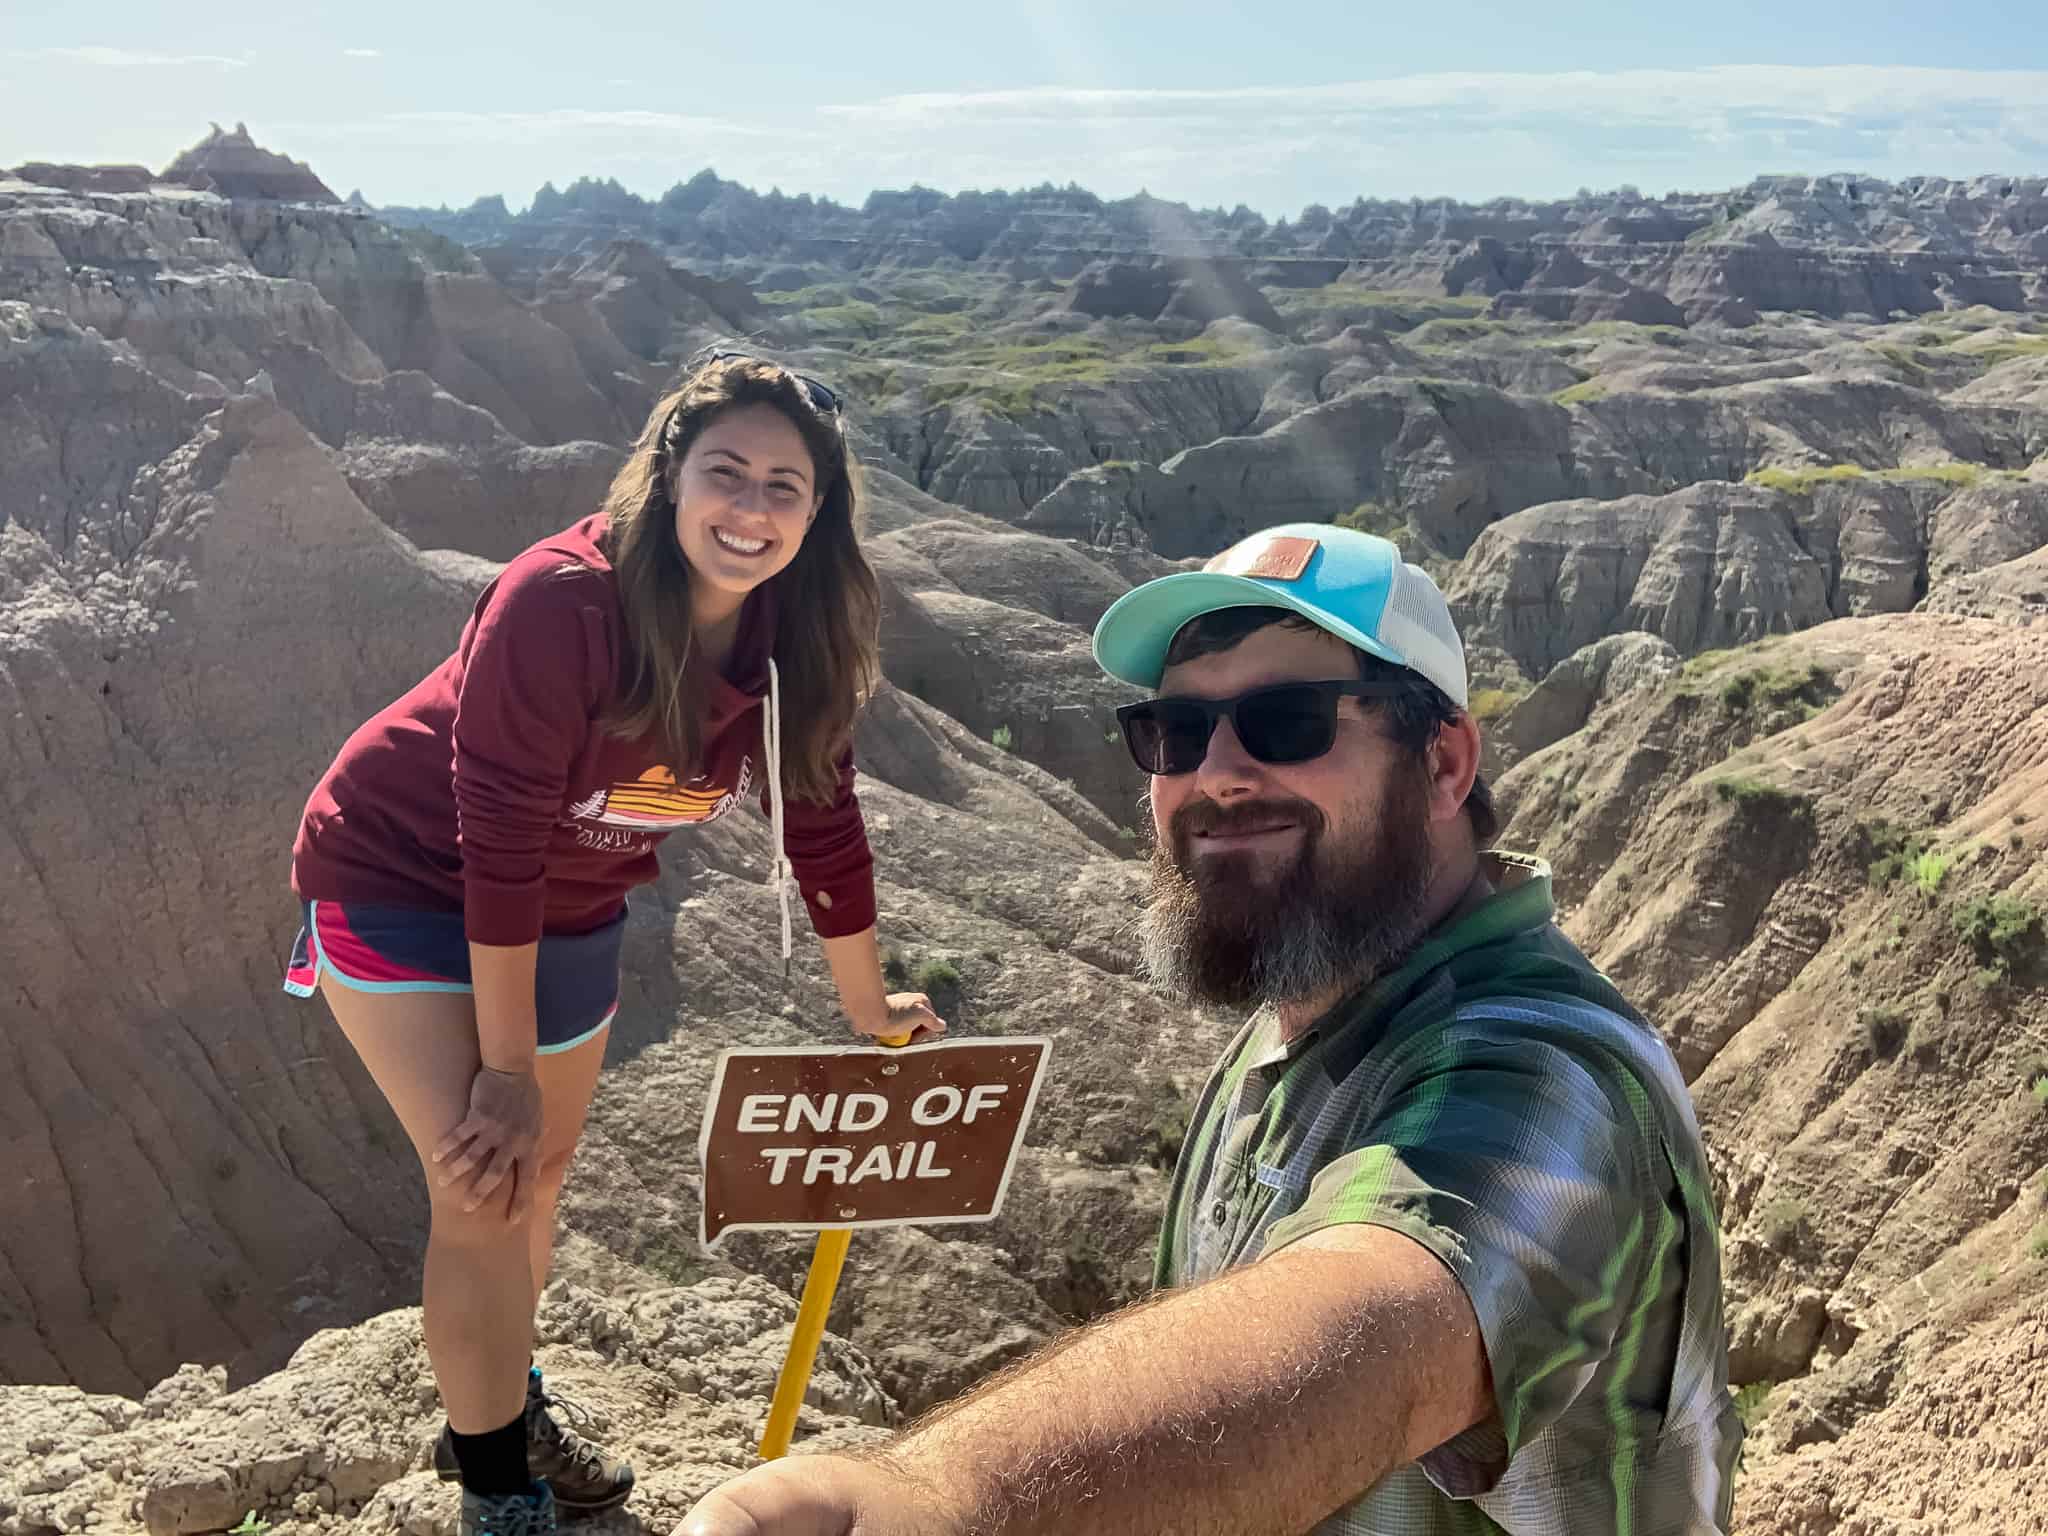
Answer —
(371, 948)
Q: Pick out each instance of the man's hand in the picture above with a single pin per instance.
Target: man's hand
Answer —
(818, 1496)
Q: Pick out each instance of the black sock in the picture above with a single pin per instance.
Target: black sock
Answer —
(494, 1463)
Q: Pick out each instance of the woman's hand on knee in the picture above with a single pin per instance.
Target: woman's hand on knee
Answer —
(499, 1139)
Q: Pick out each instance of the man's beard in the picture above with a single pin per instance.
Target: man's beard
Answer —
(1232, 930)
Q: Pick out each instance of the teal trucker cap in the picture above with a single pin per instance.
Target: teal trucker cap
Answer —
(1355, 585)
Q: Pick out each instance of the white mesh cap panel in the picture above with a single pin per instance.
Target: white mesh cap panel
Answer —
(1417, 623)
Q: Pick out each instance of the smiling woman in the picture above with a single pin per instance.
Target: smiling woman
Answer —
(464, 863)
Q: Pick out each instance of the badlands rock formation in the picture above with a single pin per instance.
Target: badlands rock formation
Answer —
(1834, 245)
(236, 166)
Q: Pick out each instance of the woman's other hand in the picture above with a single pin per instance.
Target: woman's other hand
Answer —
(499, 1139)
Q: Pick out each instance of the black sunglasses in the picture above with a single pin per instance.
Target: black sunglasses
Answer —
(1284, 723)
(820, 393)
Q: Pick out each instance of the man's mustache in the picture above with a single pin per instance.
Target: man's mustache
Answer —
(1204, 817)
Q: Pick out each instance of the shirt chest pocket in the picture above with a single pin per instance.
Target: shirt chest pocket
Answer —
(1241, 1210)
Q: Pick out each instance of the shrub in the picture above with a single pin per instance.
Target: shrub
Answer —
(1001, 738)
(1929, 870)
(894, 971)
(1889, 851)
(1489, 704)
(1755, 794)
(1806, 684)
(1752, 1402)
(936, 976)
(1783, 1221)
(2037, 1243)
(2005, 931)
(1371, 517)
(1581, 392)
(1884, 1029)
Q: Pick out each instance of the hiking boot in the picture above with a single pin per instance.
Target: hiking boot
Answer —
(582, 1478)
(507, 1514)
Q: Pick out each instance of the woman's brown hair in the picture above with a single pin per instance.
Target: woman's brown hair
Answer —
(827, 636)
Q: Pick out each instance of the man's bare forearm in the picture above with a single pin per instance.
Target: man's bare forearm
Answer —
(1260, 1402)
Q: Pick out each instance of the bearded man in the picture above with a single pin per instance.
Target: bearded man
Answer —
(1440, 1255)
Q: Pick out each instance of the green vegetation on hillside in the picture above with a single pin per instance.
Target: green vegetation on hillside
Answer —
(1801, 482)
(1581, 392)
(1806, 686)
(1372, 517)
(1628, 330)
(1906, 359)
(1752, 1402)
(1890, 852)
(1489, 704)
(2002, 350)
(1783, 1221)
(2006, 932)
(1929, 869)
(1352, 305)
(1753, 793)
(1021, 374)
(1447, 333)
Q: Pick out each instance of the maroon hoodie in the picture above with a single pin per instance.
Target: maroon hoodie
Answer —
(492, 789)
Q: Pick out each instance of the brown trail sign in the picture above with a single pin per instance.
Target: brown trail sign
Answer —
(817, 1139)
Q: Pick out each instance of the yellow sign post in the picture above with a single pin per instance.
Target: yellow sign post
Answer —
(819, 1286)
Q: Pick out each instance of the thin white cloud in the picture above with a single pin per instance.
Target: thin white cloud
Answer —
(127, 58)
(362, 53)
(1820, 94)
(574, 121)
(1463, 135)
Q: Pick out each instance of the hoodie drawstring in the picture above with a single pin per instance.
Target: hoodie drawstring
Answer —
(771, 741)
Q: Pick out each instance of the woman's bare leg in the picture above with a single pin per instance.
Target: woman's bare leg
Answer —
(567, 1080)
(477, 1300)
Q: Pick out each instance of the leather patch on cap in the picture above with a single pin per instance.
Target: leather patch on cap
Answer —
(1281, 559)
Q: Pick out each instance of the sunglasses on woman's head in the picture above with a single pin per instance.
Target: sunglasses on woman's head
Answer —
(821, 395)
(1283, 723)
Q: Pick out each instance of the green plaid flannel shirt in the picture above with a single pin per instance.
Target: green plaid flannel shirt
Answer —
(1498, 1101)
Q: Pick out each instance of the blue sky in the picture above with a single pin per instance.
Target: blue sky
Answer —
(1274, 105)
